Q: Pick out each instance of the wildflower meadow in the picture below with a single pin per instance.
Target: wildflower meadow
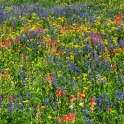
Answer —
(62, 62)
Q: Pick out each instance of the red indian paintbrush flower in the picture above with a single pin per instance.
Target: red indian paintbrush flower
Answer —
(65, 118)
(37, 114)
(72, 98)
(68, 117)
(117, 18)
(48, 77)
(115, 51)
(58, 119)
(112, 66)
(6, 74)
(107, 109)
(79, 95)
(58, 92)
(49, 80)
(40, 120)
(63, 94)
(11, 28)
(6, 43)
(92, 103)
(71, 117)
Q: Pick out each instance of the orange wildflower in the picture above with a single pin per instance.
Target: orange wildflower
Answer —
(11, 28)
(115, 51)
(49, 79)
(107, 109)
(72, 98)
(118, 18)
(79, 95)
(40, 120)
(6, 74)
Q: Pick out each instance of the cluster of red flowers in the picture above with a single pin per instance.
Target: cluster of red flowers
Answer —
(60, 93)
(117, 18)
(107, 109)
(95, 37)
(72, 98)
(66, 118)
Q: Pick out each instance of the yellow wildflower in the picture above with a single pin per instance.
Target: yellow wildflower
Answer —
(26, 101)
(43, 107)
(49, 117)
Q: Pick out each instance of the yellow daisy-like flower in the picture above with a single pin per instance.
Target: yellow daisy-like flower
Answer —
(26, 101)
(49, 117)
(20, 66)
(112, 111)
(83, 95)
(43, 107)
(59, 102)
(108, 84)
(89, 82)
(7, 69)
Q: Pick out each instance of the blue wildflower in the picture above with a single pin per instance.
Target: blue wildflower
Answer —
(84, 111)
(9, 107)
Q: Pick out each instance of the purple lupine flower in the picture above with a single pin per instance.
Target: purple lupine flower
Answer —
(85, 120)
(76, 51)
(88, 67)
(68, 52)
(121, 43)
(57, 64)
(21, 99)
(55, 104)
(90, 122)
(9, 107)
(99, 102)
(46, 102)
(78, 71)
(102, 96)
(84, 111)
(63, 78)
(35, 47)
(15, 103)
(21, 73)
(122, 95)
(122, 79)
(16, 106)
(107, 103)
(53, 36)
(63, 88)
(89, 76)
(1, 16)
(0, 101)
(51, 97)
(61, 65)
(54, 80)
(92, 63)
(118, 94)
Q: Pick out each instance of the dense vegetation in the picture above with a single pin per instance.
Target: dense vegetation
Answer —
(61, 61)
